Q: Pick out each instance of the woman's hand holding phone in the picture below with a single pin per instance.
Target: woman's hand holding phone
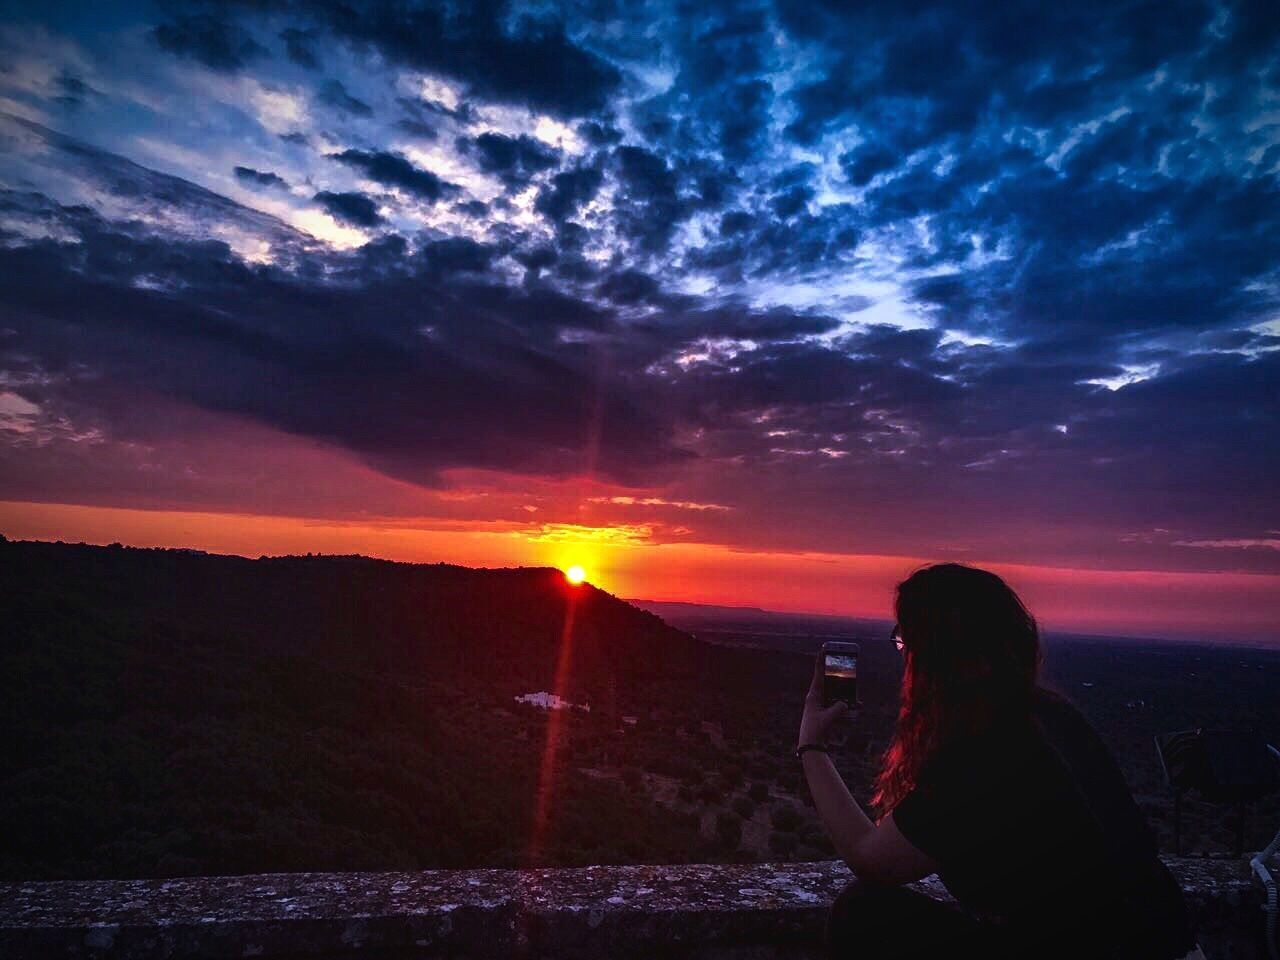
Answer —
(817, 720)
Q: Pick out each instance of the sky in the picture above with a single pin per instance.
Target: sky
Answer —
(753, 303)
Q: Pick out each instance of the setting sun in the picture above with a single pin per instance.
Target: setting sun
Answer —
(575, 574)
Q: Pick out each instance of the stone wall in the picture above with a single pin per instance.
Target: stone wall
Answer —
(719, 912)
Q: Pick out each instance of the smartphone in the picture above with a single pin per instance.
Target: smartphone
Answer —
(840, 673)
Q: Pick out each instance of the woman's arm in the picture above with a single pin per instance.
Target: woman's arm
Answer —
(875, 852)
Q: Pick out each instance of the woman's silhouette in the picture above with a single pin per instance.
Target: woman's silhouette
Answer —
(1001, 788)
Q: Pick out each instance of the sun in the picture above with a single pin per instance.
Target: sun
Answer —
(575, 574)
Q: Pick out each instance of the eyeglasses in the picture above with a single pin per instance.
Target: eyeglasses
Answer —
(896, 636)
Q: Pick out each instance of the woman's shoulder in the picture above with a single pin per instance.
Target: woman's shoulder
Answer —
(1045, 698)
(1058, 715)
(996, 745)
(1012, 734)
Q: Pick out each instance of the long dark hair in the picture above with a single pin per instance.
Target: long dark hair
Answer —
(972, 654)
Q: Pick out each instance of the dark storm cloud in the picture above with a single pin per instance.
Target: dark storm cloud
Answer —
(535, 260)
(895, 408)
(415, 359)
(473, 208)
(648, 207)
(458, 254)
(911, 79)
(259, 178)
(568, 191)
(417, 128)
(354, 208)
(299, 46)
(1155, 276)
(599, 134)
(393, 170)
(629, 286)
(723, 63)
(72, 91)
(424, 109)
(413, 369)
(775, 323)
(421, 118)
(735, 221)
(514, 159)
(760, 245)
(216, 41)
(791, 202)
(136, 191)
(934, 99)
(337, 96)
(507, 55)
(524, 59)
(866, 161)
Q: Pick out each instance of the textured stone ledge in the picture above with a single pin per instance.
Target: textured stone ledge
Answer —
(746, 910)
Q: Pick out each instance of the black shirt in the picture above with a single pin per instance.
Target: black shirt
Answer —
(1035, 830)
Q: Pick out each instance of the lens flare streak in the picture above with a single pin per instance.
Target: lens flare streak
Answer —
(547, 771)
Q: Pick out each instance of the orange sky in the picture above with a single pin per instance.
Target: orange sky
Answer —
(1151, 603)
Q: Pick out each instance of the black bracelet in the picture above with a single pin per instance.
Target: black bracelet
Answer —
(800, 751)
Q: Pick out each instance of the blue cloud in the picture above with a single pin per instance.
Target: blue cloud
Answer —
(299, 46)
(336, 95)
(394, 170)
(259, 178)
(354, 208)
(218, 43)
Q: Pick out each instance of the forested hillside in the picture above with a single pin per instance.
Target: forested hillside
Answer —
(167, 712)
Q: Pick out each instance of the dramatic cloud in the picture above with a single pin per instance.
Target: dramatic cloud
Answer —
(335, 95)
(967, 281)
(298, 45)
(354, 208)
(259, 178)
(393, 170)
(568, 191)
(515, 159)
(526, 59)
(217, 43)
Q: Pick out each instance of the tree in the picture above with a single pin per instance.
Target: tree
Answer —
(783, 844)
(729, 829)
(785, 817)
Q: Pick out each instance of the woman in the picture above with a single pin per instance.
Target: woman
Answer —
(999, 787)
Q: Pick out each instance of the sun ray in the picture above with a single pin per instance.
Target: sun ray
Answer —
(547, 771)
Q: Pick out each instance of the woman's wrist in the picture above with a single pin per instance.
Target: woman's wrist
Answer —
(807, 735)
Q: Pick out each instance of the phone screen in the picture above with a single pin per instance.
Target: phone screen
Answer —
(840, 677)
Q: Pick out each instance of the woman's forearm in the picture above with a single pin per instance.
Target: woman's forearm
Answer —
(847, 825)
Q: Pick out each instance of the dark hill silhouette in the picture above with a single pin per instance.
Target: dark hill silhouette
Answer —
(171, 712)
(352, 610)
